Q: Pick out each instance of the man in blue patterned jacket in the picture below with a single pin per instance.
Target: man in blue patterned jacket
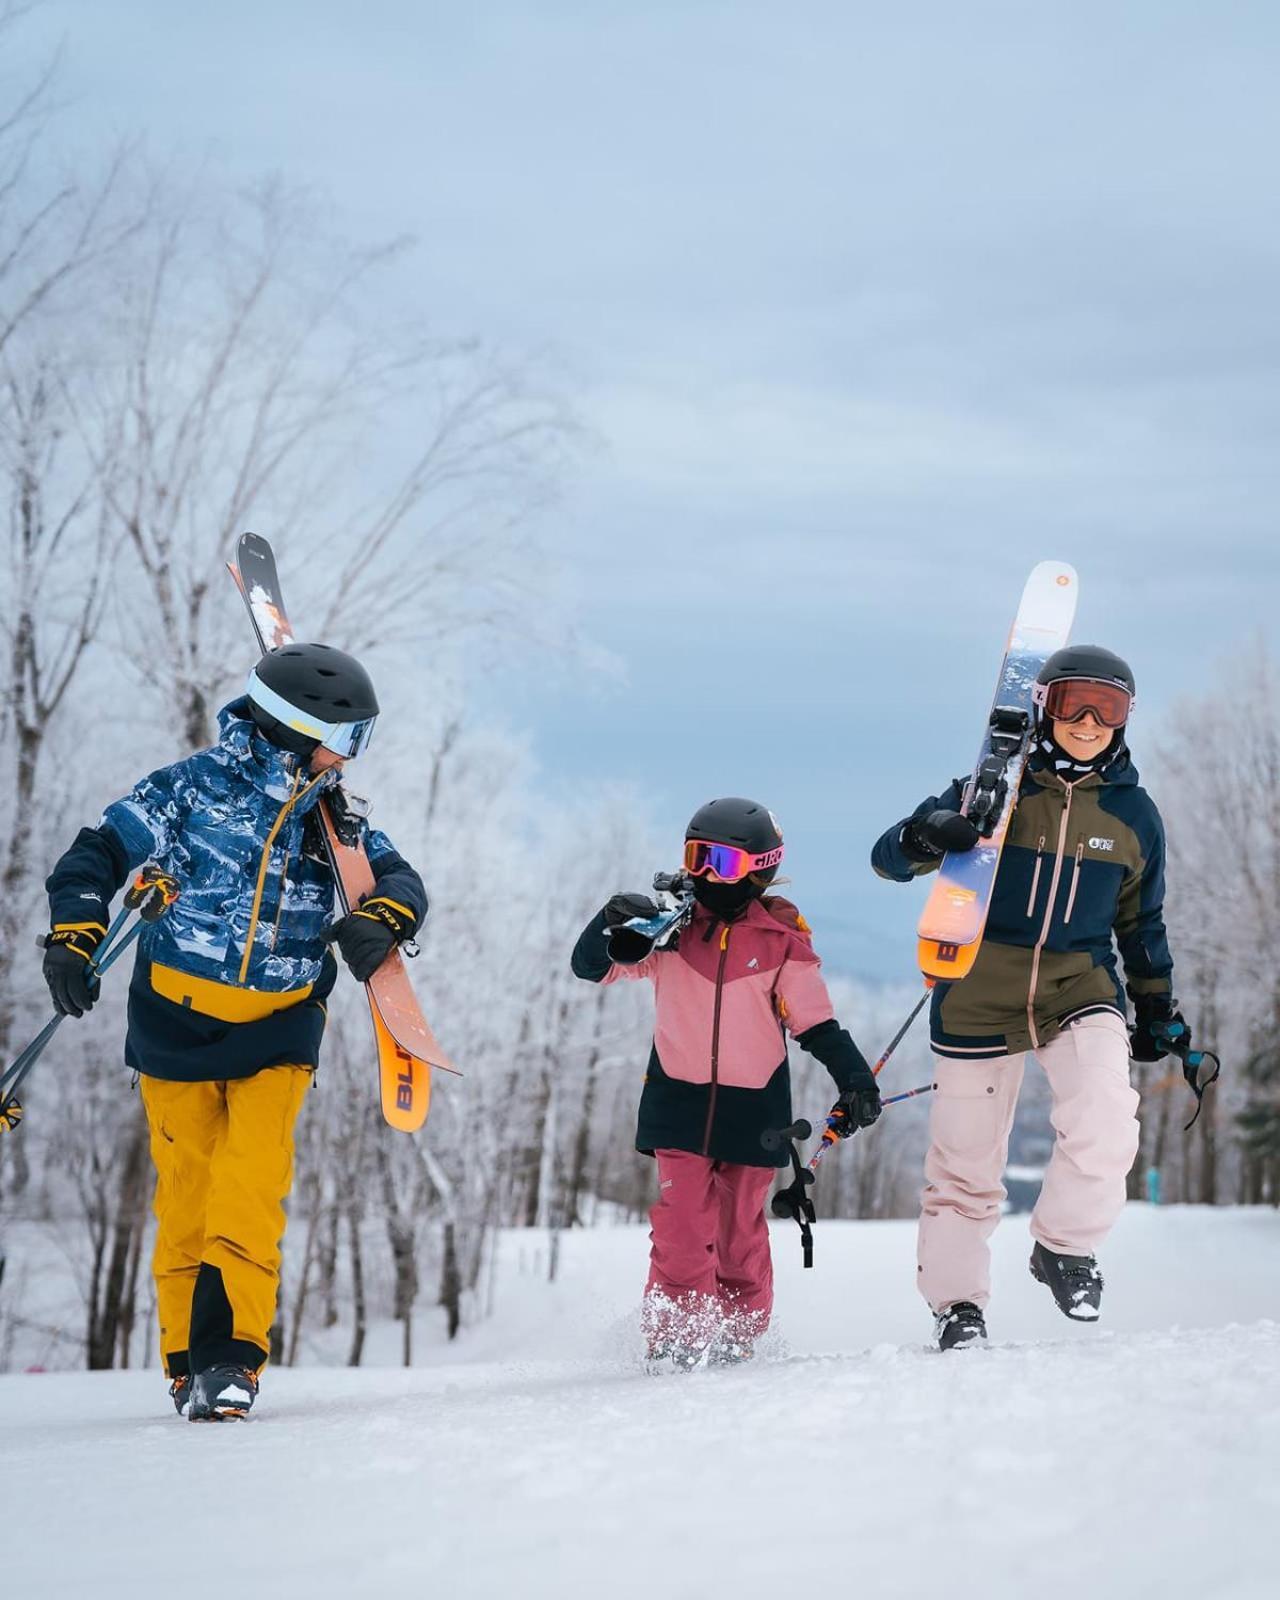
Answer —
(226, 1004)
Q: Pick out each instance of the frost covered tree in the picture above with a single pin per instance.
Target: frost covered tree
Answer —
(263, 386)
(1219, 781)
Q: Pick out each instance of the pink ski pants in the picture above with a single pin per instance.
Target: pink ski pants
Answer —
(709, 1245)
(1094, 1118)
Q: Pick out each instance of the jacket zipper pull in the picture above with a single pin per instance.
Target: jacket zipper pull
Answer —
(1035, 877)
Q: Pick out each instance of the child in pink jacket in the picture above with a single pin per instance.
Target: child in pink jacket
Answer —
(741, 974)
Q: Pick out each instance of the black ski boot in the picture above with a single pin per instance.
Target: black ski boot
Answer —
(180, 1392)
(1074, 1282)
(218, 1393)
(960, 1327)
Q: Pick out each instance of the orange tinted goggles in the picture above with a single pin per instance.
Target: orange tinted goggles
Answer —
(729, 862)
(1070, 699)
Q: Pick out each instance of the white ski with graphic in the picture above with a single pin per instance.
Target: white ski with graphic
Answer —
(951, 926)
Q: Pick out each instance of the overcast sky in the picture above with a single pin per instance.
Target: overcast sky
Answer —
(870, 307)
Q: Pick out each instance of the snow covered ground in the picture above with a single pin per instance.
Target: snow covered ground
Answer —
(1135, 1459)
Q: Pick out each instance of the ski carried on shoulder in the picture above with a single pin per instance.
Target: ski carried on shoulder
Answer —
(675, 907)
(954, 918)
(407, 1048)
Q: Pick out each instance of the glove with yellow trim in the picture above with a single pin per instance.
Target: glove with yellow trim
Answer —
(367, 937)
(68, 950)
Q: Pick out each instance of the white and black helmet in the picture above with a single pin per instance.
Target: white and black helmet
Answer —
(305, 695)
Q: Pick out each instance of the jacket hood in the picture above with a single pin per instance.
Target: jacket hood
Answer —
(260, 762)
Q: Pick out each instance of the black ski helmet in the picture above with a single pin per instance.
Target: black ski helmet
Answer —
(305, 695)
(1089, 661)
(745, 823)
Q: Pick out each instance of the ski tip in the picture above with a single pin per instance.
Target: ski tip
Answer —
(1057, 574)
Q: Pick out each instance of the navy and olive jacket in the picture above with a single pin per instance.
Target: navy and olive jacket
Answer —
(1082, 872)
(234, 977)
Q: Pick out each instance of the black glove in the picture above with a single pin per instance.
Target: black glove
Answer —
(620, 908)
(67, 954)
(626, 947)
(938, 833)
(367, 937)
(1148, 1033)
(856, 1108)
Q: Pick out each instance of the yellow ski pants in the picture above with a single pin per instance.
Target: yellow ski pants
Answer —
(223, 1155)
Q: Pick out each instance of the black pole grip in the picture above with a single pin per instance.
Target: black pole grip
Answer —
(775, 1138)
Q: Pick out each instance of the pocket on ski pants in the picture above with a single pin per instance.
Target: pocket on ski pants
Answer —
(972, 1111)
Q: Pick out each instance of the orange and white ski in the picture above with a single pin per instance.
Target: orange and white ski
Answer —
(955, 916)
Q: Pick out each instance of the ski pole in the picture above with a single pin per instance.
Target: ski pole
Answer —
(829, 1135)
(794, 1201)
(21, 1067)
(150, 894)
(21, 1064)
(909, 1094)
(1177, 1037)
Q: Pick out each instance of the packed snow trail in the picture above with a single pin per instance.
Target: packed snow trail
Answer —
(1126, 1460)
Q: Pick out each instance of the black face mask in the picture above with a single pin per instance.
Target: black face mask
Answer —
(726, 900)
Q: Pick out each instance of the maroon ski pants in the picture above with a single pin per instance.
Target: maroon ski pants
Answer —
(709, 1244)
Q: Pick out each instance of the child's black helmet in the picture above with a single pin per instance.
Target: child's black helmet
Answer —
(737, 840)
(735, 821)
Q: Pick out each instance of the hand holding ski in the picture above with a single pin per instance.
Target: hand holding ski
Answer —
(638, 926)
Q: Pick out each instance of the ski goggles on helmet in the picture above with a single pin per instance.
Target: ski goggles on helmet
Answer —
(1070, 699)
(345, 739)
(729, 862)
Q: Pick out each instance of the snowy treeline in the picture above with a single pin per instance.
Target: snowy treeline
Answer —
(179, 363)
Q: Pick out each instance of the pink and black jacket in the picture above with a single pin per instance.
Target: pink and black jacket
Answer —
(727, 996)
